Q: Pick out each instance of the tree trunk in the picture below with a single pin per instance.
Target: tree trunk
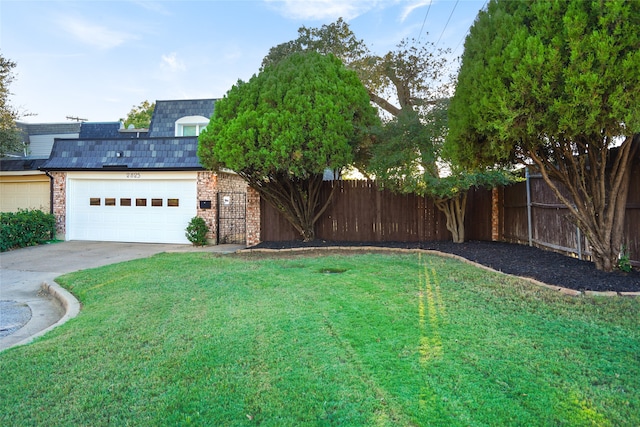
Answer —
(598, 187)
(298, 199)
(454, 209)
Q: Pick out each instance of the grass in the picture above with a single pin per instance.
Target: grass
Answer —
(342, 339)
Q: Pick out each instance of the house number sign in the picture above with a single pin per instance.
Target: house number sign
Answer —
(133, 175)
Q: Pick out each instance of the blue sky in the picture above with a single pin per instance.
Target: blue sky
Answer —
(97, 59)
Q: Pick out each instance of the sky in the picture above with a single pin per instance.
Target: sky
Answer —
(96, 60)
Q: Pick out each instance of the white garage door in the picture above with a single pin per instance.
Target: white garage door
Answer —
(130, 206)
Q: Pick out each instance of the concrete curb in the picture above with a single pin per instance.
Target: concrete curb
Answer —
(560, 289)
(70, 304)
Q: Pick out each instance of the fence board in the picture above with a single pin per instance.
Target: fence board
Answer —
(478, 215)
(552, 226)
(632, 218)
(360, 212)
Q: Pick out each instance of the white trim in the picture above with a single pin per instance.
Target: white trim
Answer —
(118, 175)
(22, 173)
(200, 122)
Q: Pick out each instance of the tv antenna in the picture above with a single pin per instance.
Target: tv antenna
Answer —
(77, 119)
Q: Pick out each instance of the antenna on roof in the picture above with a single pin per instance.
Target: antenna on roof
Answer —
(77, 119)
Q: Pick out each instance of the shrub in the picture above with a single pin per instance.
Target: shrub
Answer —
(624, 261)
(197, 231)
(25, 228)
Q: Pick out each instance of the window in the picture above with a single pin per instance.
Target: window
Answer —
(125, 202)
(173, 203)
(94, 201)
(156, 202)
(141, 202)
(191, 125)
(110, 201)
(190, 130)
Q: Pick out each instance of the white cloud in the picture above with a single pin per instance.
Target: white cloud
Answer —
(171, 63)
(93, 34)
(322, 9)
(413, 6)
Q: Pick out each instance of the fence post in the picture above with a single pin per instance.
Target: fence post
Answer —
(579, 238)
(528, 178)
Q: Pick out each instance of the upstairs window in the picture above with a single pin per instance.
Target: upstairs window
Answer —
(191, 125)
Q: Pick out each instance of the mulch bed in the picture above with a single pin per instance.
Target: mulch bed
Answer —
(520, 260)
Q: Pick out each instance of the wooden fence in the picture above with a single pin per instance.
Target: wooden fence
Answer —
(360, 212)
(532, 214)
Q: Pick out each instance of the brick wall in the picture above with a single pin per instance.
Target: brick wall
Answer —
(253, 217)
(231, 183)
(210, 184)
(60, 203)
(497, 214)
(207, 190)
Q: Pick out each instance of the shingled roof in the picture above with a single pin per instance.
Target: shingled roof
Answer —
(177, 153)
(109, 130)
(20, 165)
(166, 113)
(90, 130)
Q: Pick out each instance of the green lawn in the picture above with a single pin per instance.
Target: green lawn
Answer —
(395, 339)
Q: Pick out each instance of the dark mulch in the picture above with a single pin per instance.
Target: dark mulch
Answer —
(521, 260)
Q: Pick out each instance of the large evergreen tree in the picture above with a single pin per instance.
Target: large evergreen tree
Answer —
(284, 127)
(557, 84)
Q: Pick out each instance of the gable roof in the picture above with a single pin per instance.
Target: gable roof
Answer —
(166, 113)
(177, 153)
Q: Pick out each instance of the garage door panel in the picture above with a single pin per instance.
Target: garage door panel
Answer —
(24, 195)
(134, 223)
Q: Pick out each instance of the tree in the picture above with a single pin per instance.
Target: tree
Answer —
(10, 139)
(284, 127)
(409, 86)
(140, 116)
(407, 77)
(557, 85)
(410, 157)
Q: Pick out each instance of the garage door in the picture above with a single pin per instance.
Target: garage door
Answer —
(25, 192)
(130, 207)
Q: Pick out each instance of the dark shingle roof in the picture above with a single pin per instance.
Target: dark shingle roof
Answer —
(90, 130)
(167, 113)
(23, 164)
(137, 154)
(109, 130)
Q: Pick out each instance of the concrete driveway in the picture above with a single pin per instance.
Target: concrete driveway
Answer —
(31, 303)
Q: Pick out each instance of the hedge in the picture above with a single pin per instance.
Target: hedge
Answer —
(25, 228)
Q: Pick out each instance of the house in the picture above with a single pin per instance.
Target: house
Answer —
(147, 187)
(22, 184)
